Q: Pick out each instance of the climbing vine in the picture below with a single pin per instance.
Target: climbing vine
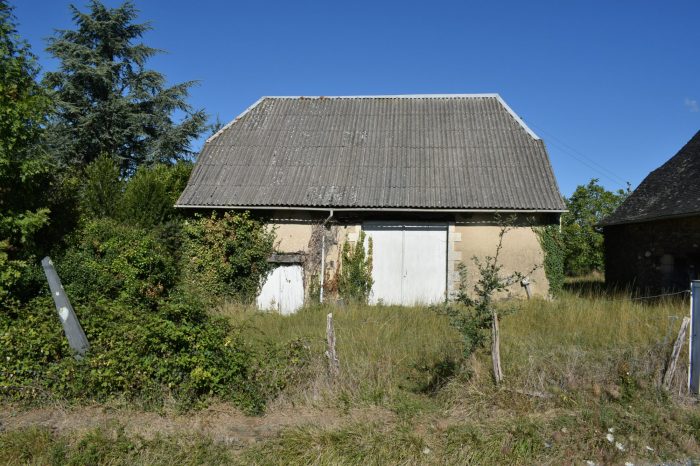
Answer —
(551, 243)
(355, 276)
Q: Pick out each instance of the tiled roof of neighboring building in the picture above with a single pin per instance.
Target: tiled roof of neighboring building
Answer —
(671, 190)
(375, 152)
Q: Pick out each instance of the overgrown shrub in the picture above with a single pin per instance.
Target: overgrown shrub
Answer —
(175, 350)
(10, 273)
(151, 194)
(31, 340)
(355, 275)
(103, 189)
(146, 199)
(108, 260)
(226, 256)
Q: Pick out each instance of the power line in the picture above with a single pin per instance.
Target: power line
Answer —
(661, 295)
(577, 155)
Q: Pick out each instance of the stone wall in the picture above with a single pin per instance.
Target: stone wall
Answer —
(653, 256)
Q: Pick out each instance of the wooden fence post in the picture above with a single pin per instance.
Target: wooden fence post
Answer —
(496, 349)
(333, 364)
(673, 360)
(71, 326)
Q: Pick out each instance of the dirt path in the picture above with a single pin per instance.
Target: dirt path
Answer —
(220, 422)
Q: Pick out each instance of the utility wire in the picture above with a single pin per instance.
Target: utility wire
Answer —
(661, 295)
(577, 155)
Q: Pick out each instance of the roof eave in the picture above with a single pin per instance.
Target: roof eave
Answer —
(370, 209)
(647, 219)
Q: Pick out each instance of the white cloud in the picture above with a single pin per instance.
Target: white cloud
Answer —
(692, 104)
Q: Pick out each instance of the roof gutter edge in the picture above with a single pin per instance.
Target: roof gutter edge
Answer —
(370, 209)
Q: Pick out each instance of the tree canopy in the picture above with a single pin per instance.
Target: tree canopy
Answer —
(108, 101)
(583, 239)
(25, 169)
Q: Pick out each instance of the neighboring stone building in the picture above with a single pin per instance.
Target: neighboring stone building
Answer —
(423, 176)
(652, 241)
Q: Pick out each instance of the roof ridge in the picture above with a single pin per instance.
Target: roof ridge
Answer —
(385, 96)
(494, 95)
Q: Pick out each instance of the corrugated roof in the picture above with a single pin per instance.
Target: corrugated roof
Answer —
(671, 190)
(423, 152)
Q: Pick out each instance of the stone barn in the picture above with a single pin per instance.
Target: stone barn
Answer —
(424, 176)
(652, 241)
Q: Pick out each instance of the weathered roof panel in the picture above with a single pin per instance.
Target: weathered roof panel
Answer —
(671, 190)
(424, 152)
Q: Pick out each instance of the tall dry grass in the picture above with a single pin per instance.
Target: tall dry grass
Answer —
(384, 351)
(589, 340)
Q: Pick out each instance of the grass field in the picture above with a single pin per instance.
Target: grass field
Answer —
(581, 384)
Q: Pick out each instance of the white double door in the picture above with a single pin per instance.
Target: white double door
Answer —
(283, 289)
(409, 262)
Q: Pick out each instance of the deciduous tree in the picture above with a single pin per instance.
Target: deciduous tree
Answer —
(581, 235)
(25, 170)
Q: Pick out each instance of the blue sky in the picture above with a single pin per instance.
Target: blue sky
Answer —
(613, 87)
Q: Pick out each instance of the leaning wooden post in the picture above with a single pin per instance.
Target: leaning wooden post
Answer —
(333, 365)
(71, 327)
(525, 283)
(496, 349)
(673, 360)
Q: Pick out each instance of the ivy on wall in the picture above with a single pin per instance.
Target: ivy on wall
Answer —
(355, 276)
(552, 246)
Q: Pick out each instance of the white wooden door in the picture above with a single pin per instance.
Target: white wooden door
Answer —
(387, 262)
(283, 290)
(409, 263)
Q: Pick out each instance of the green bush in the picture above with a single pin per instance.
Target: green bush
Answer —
(146, 199)
(226, 257)
(149, 337)
(111, 261)
(102, 192)
(151, 194)
(31, 340)
(10, 274)
(175, 350)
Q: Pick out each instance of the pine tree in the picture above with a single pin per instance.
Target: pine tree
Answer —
(109, 102)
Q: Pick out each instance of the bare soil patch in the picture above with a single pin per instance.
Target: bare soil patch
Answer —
(221, 422)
